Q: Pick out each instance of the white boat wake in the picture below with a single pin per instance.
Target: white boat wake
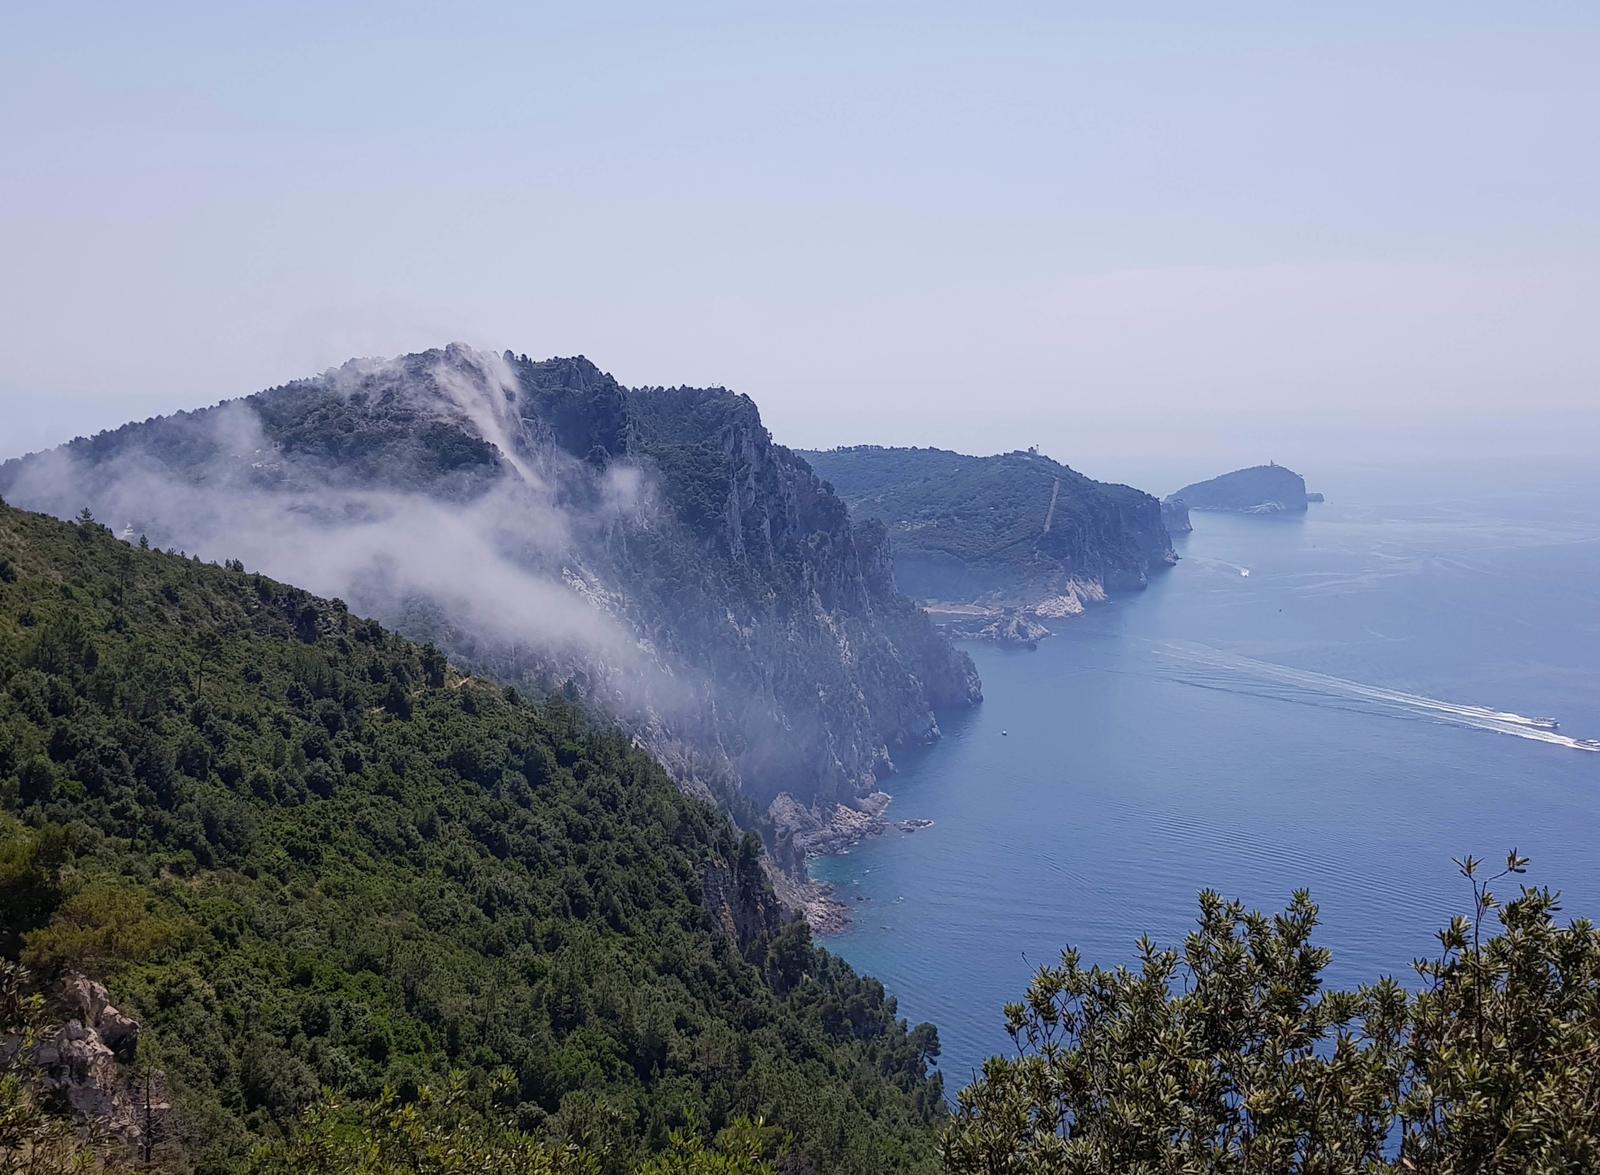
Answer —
(1201, 665)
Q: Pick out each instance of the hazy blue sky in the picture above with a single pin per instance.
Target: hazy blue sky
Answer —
(1116, 231)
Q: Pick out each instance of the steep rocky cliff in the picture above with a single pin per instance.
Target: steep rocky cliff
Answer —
(311, 855)
(1175, 515)
(1260, 489)
(652, 552)
(1016, 530)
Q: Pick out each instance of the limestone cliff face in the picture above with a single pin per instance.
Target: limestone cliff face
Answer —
(83, 1062)
(737, 895)
(823, 667)
(1175, 516)
(652, 552)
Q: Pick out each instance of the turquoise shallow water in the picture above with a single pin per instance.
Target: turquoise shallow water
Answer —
(1327, 721)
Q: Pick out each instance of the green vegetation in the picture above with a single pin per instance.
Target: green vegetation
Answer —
(1229, 1057)
(440, 1136)
(379, 917)
(31, 1138)
(306, 854)
(965, 526)
(795, 664)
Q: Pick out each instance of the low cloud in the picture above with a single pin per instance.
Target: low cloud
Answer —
(502, 567)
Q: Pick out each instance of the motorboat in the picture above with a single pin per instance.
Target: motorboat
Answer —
(1544, 723)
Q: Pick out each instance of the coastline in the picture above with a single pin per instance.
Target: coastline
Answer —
(1017, 618)
(830, 835)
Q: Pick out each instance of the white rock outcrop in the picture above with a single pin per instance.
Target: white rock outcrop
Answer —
(86, 1063)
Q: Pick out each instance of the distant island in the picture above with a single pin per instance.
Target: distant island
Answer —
(998, 547)
(1260, 489)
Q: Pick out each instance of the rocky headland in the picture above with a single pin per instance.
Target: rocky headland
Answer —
(826, 833)
(1003, 626)
(999, 547)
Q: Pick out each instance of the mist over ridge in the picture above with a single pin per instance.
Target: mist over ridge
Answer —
(651, 552)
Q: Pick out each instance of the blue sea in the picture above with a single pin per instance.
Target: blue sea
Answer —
(1337, 702)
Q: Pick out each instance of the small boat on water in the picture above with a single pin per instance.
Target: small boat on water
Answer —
(1544, 723)
(1587, 744)
(1003, 733)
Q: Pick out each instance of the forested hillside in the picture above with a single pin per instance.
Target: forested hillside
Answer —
(359, 913)
(305, 852)
(652, 553)
(1014, 529)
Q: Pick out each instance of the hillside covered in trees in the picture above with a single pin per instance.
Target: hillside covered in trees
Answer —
(1014, 528)
(651, 553)
(360, 913)
(303, 852)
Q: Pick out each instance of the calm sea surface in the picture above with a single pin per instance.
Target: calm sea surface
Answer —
(1345, 717)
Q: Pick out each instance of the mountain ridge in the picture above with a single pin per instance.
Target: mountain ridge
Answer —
(652, 552)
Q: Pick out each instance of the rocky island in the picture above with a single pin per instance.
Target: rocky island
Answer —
(1260, 489)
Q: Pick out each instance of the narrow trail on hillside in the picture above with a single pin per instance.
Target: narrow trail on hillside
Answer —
(1049, 515)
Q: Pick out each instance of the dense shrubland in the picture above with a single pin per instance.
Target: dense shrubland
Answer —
(378, 917)
(307, 854)
(743, 629)
(968, 527)
(1228, 1055)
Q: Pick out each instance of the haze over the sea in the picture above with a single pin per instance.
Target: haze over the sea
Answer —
(1124, 235)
